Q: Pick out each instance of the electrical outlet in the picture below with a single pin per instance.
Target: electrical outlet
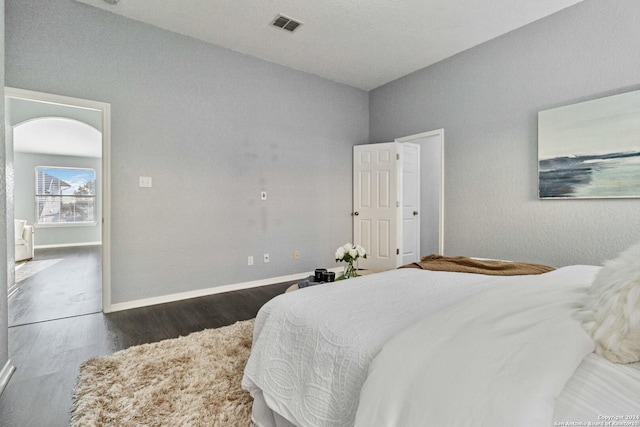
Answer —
(250, 260)
(296, 255)
(266, 258)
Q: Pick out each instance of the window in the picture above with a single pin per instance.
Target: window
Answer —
(65, 196)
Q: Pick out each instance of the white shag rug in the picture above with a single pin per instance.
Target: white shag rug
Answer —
(187, 381)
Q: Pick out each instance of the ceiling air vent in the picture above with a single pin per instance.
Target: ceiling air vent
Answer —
(285, 23)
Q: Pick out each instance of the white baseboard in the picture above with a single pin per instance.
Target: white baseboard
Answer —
(209, 291)
(5, 375)
(67, 245)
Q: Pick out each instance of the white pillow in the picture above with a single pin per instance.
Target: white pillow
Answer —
(612, 309)
(18, 225)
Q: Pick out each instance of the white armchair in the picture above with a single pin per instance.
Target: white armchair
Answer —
(24, 240)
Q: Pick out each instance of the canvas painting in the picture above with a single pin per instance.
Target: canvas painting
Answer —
(590, 149)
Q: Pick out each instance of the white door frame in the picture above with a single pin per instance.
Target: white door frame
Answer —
(105, 109)
(413, 138)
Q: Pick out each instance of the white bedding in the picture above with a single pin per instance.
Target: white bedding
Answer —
(313, 348)
(600, 389)
(499, 358)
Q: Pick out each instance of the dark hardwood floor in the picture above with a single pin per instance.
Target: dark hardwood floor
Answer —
(48, 353)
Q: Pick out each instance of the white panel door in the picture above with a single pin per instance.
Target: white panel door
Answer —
(410, 242)
(376, 204)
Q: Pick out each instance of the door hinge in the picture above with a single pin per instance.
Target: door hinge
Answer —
(397, 156)
(397, 204)
(397, 251)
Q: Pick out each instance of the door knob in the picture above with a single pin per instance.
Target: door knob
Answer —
(356, 213)
(415, 213)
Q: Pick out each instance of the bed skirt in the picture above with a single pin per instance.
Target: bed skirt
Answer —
(263, 416)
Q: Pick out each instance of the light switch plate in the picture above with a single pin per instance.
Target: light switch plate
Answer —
(263, 195)
(146, 181)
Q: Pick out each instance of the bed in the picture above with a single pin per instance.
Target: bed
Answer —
(418, 347)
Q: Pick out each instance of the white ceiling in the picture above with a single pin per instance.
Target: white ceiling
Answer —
(58, 136)
(362, 43)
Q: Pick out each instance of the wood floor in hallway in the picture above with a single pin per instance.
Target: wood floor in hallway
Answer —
(57, 283)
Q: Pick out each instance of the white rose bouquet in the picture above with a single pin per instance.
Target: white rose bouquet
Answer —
(349, 253)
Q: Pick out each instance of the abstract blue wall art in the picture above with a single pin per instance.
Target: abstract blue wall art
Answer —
(590, 149)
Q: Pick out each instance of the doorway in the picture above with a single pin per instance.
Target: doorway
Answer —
(398, 199)
(81, 210)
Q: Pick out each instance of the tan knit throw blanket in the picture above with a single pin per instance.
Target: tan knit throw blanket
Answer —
(479, 266)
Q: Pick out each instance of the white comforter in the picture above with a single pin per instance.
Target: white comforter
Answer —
(498, 358)
(312, 348)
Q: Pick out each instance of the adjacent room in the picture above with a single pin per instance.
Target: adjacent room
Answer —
(228, 189)
(57, 159)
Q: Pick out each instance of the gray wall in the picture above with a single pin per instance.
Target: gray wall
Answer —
(212, 128)
(487, 99)
(5, 217)
(24, 165)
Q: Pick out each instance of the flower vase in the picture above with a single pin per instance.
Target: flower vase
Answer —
(349, 271)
